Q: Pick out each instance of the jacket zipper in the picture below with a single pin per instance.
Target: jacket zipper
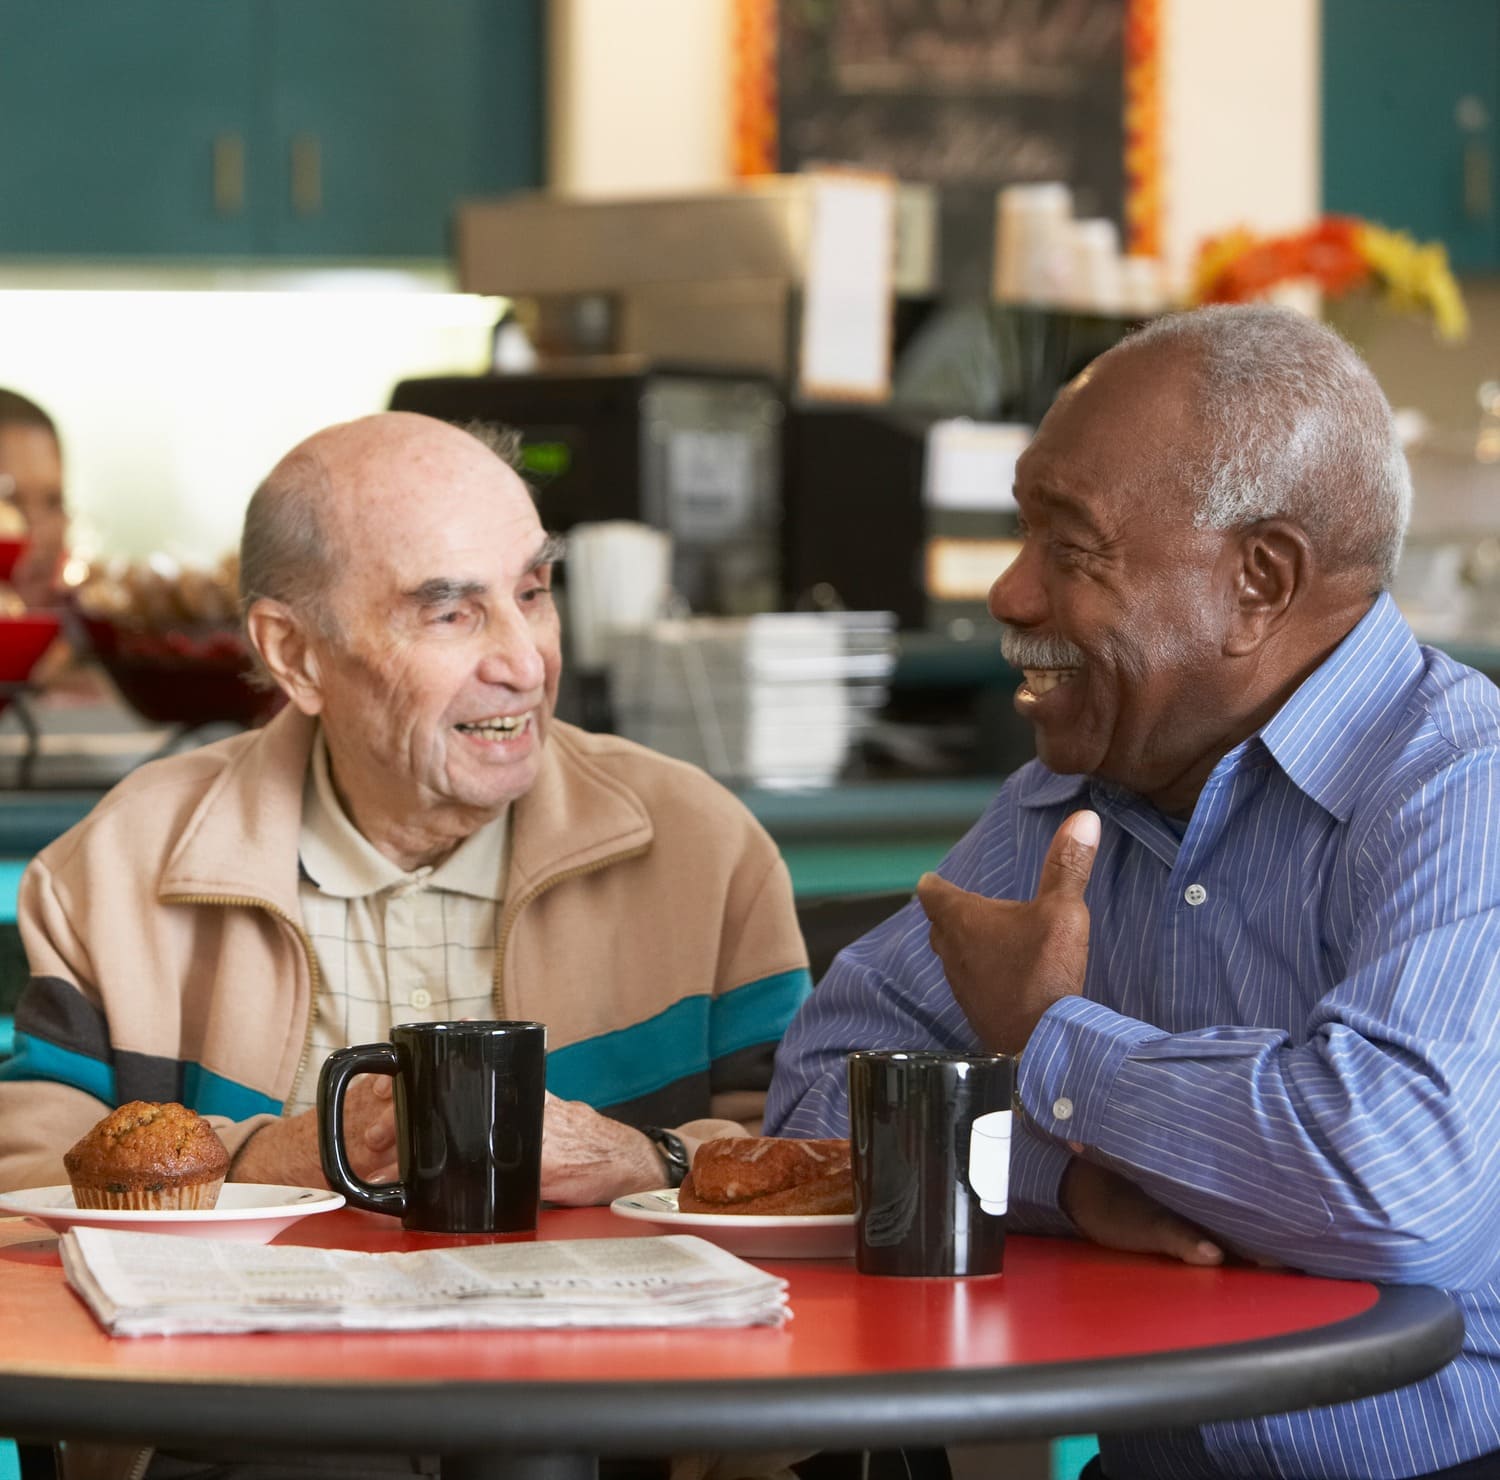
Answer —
(314, 974)
(140, 1462)
(507, 924)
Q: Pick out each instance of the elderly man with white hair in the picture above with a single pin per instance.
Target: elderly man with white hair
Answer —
(1241, 918)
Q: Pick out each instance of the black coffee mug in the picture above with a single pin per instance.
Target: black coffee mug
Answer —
(468, 1100)
(930, 1145)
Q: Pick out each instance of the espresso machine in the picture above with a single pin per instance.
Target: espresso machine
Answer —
(694, 452)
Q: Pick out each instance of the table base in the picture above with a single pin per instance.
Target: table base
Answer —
(520, 1467)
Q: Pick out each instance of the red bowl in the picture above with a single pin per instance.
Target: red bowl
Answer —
(186, 676)
(23, 640)
(10, 552)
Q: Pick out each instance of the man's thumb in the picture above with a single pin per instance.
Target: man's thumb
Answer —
(935, 892)
(1070, 859)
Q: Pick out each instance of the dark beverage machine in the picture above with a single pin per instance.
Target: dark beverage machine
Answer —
(695, 453)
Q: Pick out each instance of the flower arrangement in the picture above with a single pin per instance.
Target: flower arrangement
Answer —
(1340, 254)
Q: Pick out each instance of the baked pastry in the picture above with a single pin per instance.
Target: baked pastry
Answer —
(148, 1156)
(770, 1176)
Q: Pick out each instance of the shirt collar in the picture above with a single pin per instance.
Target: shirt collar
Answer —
(1325, 735)
(341, 861)
(1039, 787)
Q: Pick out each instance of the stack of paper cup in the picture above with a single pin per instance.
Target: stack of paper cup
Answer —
(619, 574)
(1031, 243)
(1142, 291)
(1044, 257)
(1095, 282)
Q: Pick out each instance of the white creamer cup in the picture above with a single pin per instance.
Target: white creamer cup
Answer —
(989, 1160)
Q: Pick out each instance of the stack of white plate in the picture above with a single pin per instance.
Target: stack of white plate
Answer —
(775, 699)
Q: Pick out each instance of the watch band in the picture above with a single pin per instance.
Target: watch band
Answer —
(673, 1152)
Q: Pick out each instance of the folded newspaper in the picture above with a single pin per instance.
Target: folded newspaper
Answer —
(154, 1284)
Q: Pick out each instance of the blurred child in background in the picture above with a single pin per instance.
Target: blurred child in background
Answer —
(31, 483)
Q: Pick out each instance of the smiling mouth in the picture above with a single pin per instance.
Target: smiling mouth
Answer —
(1041, 681)
(498, 727)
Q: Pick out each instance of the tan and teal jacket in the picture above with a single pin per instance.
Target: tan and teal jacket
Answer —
(648, 921)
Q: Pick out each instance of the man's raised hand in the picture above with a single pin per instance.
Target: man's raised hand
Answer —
(1008, 960)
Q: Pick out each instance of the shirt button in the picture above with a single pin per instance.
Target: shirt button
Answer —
(421, 998)
(1062, 1109)
(1195, 894)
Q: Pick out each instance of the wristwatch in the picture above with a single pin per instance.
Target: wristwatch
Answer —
(673, 1152)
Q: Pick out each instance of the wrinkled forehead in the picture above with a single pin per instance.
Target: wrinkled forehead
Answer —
(426, 509)
(1125, 425)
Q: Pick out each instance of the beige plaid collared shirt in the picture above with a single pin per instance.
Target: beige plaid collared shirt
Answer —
(392, 947)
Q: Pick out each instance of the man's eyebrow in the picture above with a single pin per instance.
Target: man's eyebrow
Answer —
(1064, 504)
(549, 552)
(440, 590)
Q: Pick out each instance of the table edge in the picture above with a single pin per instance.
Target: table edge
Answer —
(1328, 1364)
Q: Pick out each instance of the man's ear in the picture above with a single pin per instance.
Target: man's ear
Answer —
(281, 639)
(1273, 561)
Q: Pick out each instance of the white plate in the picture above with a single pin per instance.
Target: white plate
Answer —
(247, 1212)
(805, 1236)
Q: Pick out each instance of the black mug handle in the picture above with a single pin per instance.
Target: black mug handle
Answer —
(342, 1065)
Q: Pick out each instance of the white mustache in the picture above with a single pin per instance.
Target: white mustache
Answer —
(1037, 650)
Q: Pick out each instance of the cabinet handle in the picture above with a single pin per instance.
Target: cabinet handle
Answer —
(229, 174)
(1473, 120)
(307, 174)
(1478, 201)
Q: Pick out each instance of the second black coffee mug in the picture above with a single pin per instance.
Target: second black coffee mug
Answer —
(468, 1100)
(930, 1146)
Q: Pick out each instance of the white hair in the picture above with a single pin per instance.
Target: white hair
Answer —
(1295, 426)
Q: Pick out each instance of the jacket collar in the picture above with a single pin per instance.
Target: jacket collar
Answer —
(242, 839)
(575, 815)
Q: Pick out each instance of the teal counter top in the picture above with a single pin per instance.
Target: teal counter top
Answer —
(29, 820)
(862, 809)
(869, 837)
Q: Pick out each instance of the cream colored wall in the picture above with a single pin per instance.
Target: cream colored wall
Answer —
(176, 390)
(638, 96)
(1241, 100)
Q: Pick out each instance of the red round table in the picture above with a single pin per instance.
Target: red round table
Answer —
(1070, 1338)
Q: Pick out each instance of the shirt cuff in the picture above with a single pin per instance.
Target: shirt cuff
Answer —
(1068, 1068)
(1036, 1170)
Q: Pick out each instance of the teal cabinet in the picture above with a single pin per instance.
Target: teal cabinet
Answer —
(124, 129)
(385, 112)
(1411, 119)
(266, 128)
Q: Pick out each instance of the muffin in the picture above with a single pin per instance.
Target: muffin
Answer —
(154, 1157)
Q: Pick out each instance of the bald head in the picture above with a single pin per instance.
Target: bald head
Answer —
(1283, 419)
(306, 515)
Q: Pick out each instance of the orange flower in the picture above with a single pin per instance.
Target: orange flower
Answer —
(1340, 254)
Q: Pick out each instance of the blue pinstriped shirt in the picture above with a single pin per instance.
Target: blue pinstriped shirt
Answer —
(1290, 1029)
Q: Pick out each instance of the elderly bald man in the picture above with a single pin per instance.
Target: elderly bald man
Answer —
(415, 837)
(1241, 918)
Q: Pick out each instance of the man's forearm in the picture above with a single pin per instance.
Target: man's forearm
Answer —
(1252, 1138)
(280, 1151)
